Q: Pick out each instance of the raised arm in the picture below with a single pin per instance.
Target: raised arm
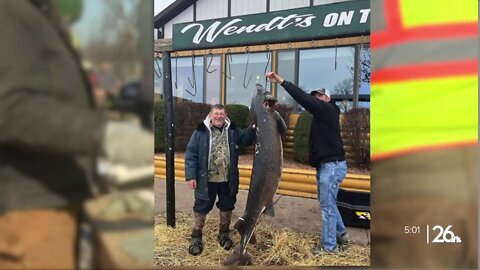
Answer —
(307, 101)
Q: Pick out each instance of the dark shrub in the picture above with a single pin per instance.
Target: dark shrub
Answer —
(186, 117)
(356, 139)
(300, 140)
(238, 114)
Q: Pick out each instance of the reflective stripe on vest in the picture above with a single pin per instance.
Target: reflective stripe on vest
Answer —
(402, 22)
(421, 13)
(424, 76)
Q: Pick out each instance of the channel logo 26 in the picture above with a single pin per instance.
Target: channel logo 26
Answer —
(445, 235)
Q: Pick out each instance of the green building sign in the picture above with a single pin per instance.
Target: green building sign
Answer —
(343, 19)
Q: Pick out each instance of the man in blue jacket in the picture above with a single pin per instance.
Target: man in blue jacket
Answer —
(327, 156)
(211, 169)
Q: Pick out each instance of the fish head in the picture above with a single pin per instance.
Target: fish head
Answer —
(263, 100)
(257, 98)
(269, 100)
(260, 93)
(262, 103)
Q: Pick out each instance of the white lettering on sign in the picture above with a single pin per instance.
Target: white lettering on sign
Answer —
(330, 20)
(365, 13)
(210, 32)
(344, 18)
(231, 27)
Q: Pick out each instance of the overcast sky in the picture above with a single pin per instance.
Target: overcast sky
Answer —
(160, 5)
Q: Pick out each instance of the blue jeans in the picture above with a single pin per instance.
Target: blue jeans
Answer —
(329, 177)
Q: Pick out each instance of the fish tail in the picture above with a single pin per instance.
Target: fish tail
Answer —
(238, 258)
(240, 226)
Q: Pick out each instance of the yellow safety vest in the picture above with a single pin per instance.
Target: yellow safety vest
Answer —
(424, 76)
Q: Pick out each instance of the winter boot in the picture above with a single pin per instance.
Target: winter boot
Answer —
(196, 243)
(343, 239)
(224, 228)
(318, 250)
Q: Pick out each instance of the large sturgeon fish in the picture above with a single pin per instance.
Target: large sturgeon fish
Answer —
(266, 173)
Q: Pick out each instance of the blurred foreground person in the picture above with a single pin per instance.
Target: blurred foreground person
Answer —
(424, 155)
(51, 135)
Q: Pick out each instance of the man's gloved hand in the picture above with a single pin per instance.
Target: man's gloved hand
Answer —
(128, 144)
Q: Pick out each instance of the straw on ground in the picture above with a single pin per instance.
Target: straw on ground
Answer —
(275, 246)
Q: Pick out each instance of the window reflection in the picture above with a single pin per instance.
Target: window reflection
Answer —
(213, 79)
(286, 69)
(363, 104)
(320, 67)
(185, 85)
(317, 69)
(344, 105)
(365, 69)
(158, 76)
(236, 92)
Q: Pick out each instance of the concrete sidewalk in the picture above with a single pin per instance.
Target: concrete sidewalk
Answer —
(298, 214)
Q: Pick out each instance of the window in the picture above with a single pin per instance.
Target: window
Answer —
(317, 69)
(236, 92)
(364, 74)
(185, 84)
(331, 68)
(286, 69)
(158, 78)
(212, 79)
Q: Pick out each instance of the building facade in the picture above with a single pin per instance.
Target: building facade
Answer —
(221, 49)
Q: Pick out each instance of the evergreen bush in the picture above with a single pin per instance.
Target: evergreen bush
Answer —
(301, 135)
